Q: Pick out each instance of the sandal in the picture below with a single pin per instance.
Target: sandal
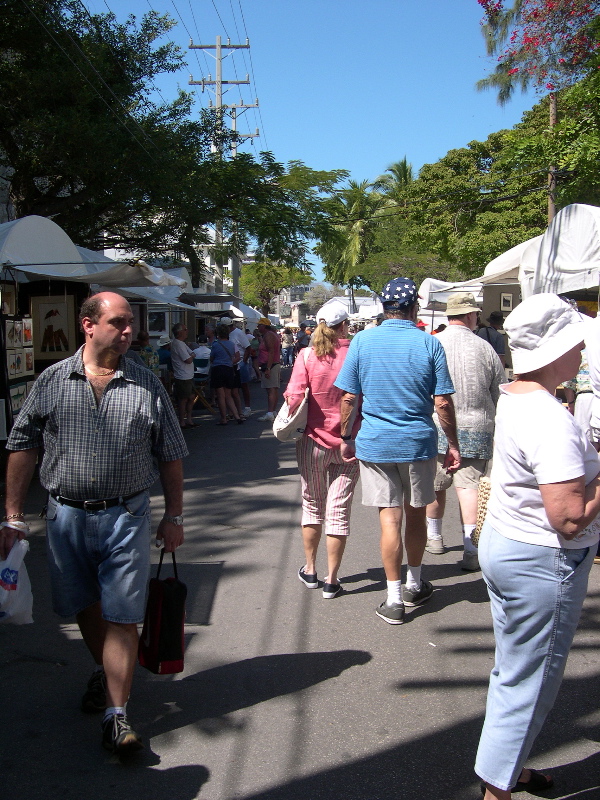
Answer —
(537, 783)
(221, 423)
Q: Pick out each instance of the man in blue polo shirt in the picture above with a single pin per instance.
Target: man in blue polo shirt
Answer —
(402, 375)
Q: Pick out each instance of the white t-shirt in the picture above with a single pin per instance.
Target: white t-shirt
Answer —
(202, 351)
(537, 441)
(240, 342)
(179, 353)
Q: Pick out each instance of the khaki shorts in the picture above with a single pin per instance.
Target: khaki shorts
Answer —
(274, 379)
(391, 485)
(467, 477)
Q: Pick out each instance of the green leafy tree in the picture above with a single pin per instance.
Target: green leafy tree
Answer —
(261, 281)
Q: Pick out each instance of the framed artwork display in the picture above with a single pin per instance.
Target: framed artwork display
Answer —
(27, 332)
(10, 334)
(9, 304)
(28, 366)
(157, 322)
(19, 363)
(11, 362)
(18, 333)
(506, 302)
(53, 327)
(17, 396)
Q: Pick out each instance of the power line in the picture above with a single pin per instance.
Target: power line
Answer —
(262, 124)
(220, 20)
(109, 46)
(87, 80)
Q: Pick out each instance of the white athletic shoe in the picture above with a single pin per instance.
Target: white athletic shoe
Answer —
(247, 412)
(268, 417)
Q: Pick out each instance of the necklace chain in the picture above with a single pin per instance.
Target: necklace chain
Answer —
(100, 374)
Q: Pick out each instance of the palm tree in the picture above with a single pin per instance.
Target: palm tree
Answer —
(395, 179)
(354, 217)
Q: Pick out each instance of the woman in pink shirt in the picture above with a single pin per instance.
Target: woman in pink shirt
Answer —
(327, 480)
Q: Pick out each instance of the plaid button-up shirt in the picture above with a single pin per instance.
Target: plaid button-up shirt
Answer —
(98, 451)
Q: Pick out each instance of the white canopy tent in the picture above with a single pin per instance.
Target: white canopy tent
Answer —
(36, 247)
(568, 256)
(241, 310)
(434, 294)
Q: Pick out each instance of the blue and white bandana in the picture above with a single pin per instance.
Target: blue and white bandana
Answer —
(398, 293)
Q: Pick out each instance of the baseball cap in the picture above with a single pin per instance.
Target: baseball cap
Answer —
(399, 293)
(332, 314)
(540, 330)
(460, 303)
(225, 321)
(264, 321)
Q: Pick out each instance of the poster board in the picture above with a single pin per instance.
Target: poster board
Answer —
(53, 327)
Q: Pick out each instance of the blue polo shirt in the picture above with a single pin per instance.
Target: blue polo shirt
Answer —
(398, 369)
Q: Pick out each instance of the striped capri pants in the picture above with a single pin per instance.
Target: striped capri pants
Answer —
(327, 486)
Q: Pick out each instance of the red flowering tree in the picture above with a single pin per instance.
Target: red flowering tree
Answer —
(548, 43)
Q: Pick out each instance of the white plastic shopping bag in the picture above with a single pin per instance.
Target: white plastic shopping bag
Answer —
(16, 600)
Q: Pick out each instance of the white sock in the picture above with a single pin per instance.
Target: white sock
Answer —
(394, 589)
(434, 528)
(467, 543)
(113, 710)
(413, 577)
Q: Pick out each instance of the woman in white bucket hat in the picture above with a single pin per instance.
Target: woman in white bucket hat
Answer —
(538, 542)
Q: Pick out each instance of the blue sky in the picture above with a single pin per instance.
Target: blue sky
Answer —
(344, 83)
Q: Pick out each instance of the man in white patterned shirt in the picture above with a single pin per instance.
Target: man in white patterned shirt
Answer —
(476, 373)
(108, 430)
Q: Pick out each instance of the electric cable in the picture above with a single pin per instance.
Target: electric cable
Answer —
(87, 80)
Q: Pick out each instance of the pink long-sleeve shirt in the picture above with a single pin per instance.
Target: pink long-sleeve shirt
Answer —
(323, 423)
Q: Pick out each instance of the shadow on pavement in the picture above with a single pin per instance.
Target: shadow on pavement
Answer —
(204, 699)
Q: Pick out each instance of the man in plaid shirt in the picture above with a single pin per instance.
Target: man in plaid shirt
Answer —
(108, 430)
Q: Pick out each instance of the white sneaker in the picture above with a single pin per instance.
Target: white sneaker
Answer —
(268, 417)
(435, 546)
(247, 412)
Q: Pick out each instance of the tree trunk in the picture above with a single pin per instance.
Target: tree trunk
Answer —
(551, 169)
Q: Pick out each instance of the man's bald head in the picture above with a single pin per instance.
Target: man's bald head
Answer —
(95, 306)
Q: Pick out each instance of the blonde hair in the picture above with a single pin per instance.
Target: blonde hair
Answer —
(325, 339)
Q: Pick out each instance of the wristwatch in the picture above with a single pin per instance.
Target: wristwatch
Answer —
(178, 520)
(346, 438)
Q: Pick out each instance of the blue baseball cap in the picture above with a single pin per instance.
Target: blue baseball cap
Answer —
(399, 293)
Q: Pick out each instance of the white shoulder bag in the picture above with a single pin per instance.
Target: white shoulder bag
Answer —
(290, 427)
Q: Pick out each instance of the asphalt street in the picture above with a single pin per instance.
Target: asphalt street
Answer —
(285, 695)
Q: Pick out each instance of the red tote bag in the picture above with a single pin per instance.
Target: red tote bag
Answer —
(161, 645)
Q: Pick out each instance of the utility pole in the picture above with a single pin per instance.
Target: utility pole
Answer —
(218, 83)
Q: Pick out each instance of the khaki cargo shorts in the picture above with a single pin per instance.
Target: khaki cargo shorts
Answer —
(391, 485)
(467, 477)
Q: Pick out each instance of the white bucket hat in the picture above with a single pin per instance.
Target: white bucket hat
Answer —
(332, 314)
(541, 329)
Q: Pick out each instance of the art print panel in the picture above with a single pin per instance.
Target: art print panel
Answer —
(53, 327)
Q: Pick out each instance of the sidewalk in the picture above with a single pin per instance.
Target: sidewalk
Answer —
(285, 695)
